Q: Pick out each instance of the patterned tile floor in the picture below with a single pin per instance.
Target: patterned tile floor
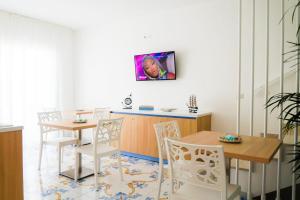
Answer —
(140, 178)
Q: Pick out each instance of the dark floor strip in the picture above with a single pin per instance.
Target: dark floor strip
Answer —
(286, 194)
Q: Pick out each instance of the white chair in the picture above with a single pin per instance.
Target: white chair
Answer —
(101, 113)
(106, 143)
(198, 172)
(162, 130)
(60, 142)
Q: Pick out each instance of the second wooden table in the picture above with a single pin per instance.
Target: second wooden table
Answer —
(256, 149)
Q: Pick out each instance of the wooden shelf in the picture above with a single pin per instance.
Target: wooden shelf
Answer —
(11, 167)
(138, 135)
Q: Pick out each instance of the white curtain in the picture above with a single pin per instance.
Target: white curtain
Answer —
(35, 70)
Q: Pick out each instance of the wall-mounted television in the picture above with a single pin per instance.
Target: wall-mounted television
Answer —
(155, 66)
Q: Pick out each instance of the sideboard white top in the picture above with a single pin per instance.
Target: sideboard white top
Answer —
(176, 113)
(9, 128)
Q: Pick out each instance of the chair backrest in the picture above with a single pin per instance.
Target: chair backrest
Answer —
(199, 165)
(163, 130)
(101, 113)
(107, 132)
(48, 117)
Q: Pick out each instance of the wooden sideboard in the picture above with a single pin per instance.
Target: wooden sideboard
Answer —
(138, 135)
(11, 164)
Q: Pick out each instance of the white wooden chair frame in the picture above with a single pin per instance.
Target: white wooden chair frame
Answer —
(106, 143)
(59, 142)
(202, 166)
(101, 113)
(163, 130)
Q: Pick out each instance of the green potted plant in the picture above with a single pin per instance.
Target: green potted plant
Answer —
(290, 102)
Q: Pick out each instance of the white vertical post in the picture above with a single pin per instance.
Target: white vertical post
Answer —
(281, 107)
(263, 188)
(239, 87)
(249, 195)
(296, 128)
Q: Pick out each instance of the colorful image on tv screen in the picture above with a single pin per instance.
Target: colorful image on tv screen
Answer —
(155, 66)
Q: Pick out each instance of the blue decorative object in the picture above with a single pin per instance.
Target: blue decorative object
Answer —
(230, 138)
(145, 107)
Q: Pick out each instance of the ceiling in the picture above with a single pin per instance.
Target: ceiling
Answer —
(79, 14)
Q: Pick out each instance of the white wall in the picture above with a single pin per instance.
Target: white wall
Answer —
(205, 39)
(205, 46)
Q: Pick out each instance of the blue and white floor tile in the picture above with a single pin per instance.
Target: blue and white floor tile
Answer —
(140, 179)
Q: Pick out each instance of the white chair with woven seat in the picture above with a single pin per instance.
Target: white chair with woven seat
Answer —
(163, 130)
(59, 142)
(198, 172)
(106, 143)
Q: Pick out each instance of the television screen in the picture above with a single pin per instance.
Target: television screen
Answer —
(155, 66)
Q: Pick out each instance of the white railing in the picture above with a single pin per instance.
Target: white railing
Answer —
(265, 87)
(239, 87)
(296, 129)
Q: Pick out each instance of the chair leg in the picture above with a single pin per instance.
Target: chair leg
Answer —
(160, 176)
(120, 167)
(171, 189)
(99, 165)
(76, 166)
(96, 171)
(59, 158)
(40, 155)
(62, 154)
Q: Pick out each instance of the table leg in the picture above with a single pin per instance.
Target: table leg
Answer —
(228, 167)
(80, 155)
(263, 186)
(82, 171)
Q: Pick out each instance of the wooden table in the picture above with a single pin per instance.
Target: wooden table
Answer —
(69, 125)
(256, 149)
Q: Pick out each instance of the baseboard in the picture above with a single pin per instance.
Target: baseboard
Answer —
(135, 155)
